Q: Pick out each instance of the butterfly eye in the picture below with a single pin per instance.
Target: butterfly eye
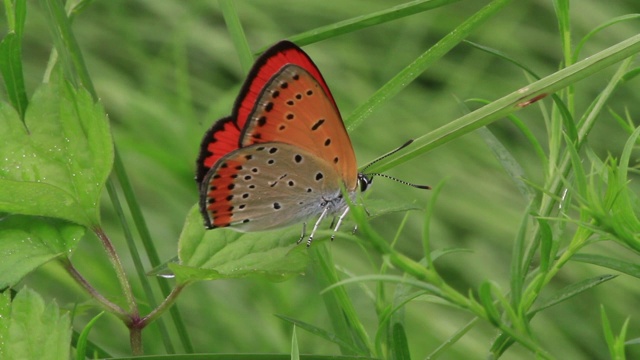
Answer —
(364, 182)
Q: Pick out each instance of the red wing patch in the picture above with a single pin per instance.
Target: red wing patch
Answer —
(222, 138)
(265, 67)
(216, 205)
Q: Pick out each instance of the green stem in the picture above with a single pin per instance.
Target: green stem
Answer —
(166, 304)
(108, 305)
(119, 269)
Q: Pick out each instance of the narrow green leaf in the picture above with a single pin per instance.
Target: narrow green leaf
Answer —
(608, 332)
(608, 23)
(81, 345)
(622, 266)
(546, 244)
(517, 257)
(236, 32)
(295, 351)
(27, 242)
(508, 162)
(331, 337)
(571, 291)
(438, 253)
(368, 20)
(35, 330)
(486, 299)
(11, 70)
(562, 14)
(340, 309)
(399, 343)
(431, 289)
(412, 71)
(577, 167)
(512, 102)
(20, 15)
(5, 313)
(452, 339)
(57, 165)
(224, 253)
(430, 255)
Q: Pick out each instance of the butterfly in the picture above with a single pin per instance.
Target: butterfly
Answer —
(283, 155)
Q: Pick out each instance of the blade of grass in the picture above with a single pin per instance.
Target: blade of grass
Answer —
(365, 21)
(81, 345)
(411, 72)
(232, 20)
(583, 41)
(625, 267)
(510, 103)
(571, 291)
(340, 309)
(452, 339)
(319, 332)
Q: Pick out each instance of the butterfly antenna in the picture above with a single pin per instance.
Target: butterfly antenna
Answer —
(387, 155)
(370, 175)
(426, 187)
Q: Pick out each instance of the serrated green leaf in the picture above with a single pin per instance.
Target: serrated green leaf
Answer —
(27, 242)
(35, 330)
(224, 253)
(57, 165)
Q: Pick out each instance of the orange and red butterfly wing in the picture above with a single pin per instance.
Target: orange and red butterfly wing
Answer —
(284, 100)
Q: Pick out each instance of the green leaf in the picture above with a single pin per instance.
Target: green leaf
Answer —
(486, 299)
(28, 242)
(57, 165)
(5, 312)
(508, 162)
(368, 20)
(11, 70)
(81, 346)
(331, 337)
(616, 344)
(428, 58)
(224, 253)
(295, 351)
(502, 107)
(571, 291)
(33, 330)
(399, 343)
(628, 268)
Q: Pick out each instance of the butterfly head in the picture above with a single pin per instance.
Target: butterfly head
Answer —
(364, 180)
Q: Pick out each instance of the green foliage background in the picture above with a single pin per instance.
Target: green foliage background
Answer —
(166, 70)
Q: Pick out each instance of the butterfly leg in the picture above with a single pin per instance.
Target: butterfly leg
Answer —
(355, 228)
(304, 231)
(315, 227)
(342, 216)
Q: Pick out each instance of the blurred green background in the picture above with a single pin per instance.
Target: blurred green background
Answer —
(166, 70)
